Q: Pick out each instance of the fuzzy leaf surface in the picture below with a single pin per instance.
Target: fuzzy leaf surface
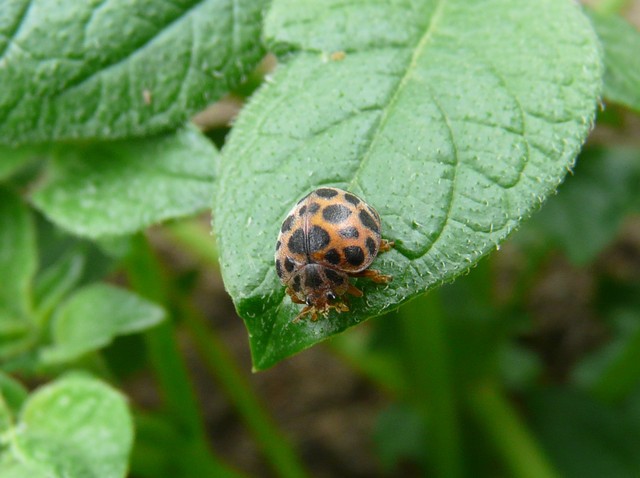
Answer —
(94, 316)
(96, 69)
(75, 427)
(454, 119)
(117, 188)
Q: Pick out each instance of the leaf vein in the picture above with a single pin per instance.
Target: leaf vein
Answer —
(420, 47)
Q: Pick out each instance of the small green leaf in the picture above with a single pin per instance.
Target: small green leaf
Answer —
(92, 69)
(454, 119)
(13, 392)
(94, 316)
(17, 252)
(76, 427)
(56, 281)
(17, 268)
(605, 184)
(621, 42)
(122, 187)
(11, 159)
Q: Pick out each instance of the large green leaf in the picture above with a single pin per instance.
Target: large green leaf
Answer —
(76, 427)
(621, 42)
(94, 316)
(95, 69)
(454, 119)
(122, 187)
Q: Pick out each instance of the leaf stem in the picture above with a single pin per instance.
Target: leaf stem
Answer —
(509, 434)
(147, 278)
(428, 363)
(278, 451)
(194, 236)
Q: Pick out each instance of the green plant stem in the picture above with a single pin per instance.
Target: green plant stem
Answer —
(510, 435)
(195, 237)
(429, 365)
(278, 451)
(147, 278)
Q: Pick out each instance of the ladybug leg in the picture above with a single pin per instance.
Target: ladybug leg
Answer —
(294, 297)
(385, 245)
(374, 275)
(308, 310)
(340, 307)
(353, 290)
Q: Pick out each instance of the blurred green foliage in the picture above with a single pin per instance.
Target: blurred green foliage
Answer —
(526, 365)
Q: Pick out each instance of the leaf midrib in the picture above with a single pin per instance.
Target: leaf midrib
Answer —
(417, 53)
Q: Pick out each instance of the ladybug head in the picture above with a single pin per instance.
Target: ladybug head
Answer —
(319, 286)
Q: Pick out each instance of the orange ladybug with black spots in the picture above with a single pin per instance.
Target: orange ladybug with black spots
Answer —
(329, 236)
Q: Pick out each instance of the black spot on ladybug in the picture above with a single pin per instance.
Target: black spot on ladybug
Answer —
(333, 276)
(288, 264)
(352, 199)
(368, 221)
(313, 208)
(318, 239)
(326, 193)
(296, 242)
(332, 256)
(279, 269)
(286, 225)
(371, 245)
(349, 233)
(278, 244)
(302, 211)
(313, 279)
(354, 255)
(336, 213)
(296, 284)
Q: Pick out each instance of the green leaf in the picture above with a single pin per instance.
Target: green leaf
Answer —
(11, 159)
(13, 393)
(94, 316)
(453, 119)
(605, 184)
(76, 427)
(17, 252)
(621, 42)
(57, 281)
(121, 187)
(118, 69)
(17, 268)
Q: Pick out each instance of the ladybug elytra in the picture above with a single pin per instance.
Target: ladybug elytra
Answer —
(329, 236)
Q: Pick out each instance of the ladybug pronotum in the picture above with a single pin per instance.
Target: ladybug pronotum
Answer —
(329, 236)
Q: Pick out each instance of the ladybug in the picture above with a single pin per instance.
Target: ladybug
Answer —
(329, 236)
